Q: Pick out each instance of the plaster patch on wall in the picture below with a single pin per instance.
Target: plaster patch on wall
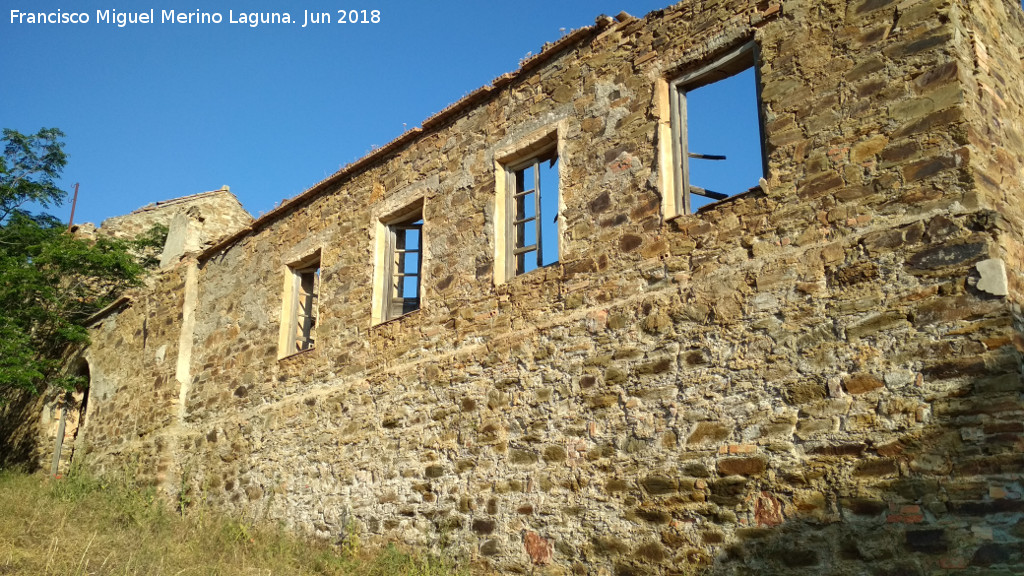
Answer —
(993, 277)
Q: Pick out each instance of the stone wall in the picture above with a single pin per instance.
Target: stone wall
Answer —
(133, 390)
(996, 93)
(214, 214)
(813, 376)
(29, 424)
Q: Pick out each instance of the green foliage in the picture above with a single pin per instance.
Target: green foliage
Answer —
(29, 166)
(147, 246)
(349, 541)
(50, 281)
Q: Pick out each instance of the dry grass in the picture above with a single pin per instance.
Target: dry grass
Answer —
(81, 525)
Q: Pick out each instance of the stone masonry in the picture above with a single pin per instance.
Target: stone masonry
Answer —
(194, 222)
(217, 209)
(820, 375)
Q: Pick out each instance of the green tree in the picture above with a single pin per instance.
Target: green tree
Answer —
(51, 281)
(28, 169)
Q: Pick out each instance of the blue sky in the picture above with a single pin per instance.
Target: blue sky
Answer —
(156, 111)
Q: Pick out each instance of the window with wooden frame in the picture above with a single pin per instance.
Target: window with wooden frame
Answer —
(301, 303)
(403, 263)
(716, 128)
(531, 212)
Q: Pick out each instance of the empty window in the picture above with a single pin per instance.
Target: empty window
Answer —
(299, 317)
(717, 144)
(403, 262)
(399, 250)
(531, 212)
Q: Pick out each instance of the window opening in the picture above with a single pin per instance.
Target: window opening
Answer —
(532, 211)
(717, 136)
(304, 303)
(405, 262)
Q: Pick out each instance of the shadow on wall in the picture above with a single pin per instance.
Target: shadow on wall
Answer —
(19, 432)
(947, 497)
(29, 420)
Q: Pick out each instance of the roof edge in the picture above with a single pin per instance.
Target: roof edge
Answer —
(115, 306)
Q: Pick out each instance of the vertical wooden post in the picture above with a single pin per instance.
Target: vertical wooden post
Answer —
(60, 440)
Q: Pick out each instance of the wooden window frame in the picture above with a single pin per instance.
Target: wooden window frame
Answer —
(731, 63)
(515, 204)
(300, 311)
(394, 277)
(540, 145)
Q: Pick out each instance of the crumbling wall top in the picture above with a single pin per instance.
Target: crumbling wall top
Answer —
(220, 210)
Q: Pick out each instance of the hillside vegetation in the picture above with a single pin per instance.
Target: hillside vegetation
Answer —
(81, 525)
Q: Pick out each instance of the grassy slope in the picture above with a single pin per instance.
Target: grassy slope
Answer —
(83, 526)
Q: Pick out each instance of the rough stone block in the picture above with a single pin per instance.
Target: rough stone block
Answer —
(862, 383)
(656, 484)
(706, 432)
(748, 466)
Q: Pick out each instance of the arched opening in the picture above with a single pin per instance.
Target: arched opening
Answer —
(69, 411)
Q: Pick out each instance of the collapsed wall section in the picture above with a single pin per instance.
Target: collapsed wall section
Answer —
(216, 214)
(191, 223)
(802, 377)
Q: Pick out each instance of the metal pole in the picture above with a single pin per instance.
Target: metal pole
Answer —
(74, 202)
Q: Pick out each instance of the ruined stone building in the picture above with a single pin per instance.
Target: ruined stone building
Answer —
(819, 373)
